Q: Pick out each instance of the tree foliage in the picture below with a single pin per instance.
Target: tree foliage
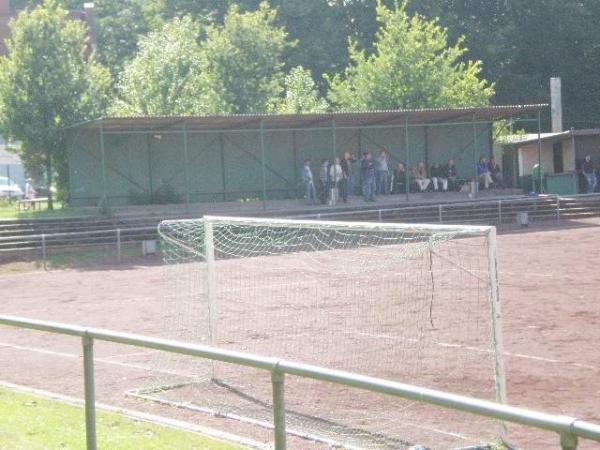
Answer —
(47, 83)
(245, 58)
(412, 66)
(168, 76)
(524, 43)
(300, 94)
(237, 68)
(120, 25)
(521, 43)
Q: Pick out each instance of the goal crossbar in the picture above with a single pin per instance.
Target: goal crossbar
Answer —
(467, 230)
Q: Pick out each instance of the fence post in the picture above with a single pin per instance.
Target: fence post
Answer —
(119, 245)
(558, 209)
(440, 212)
(44, 251)
(499, 212)
(379, 215)
(278, 381)
(89, 389)
(568, 441)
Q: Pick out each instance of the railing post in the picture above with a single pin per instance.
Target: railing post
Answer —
(568, 441)
(278, 381)
(379, 215)
(89, 389)
(440, 212)
(44, 251)
(558, 209)
(499, 212)
(119, 245)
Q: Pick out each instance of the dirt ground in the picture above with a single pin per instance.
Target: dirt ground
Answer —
(551, 324)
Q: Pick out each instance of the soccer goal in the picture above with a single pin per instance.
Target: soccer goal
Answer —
(411, 303)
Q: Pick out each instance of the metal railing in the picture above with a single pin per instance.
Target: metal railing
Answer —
(115, 238)
(569, 428)
(484, 211)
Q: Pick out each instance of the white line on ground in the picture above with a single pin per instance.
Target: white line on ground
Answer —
(145, 417)
(126, 355)
(97, 360)
(25, 313)
(483, 350)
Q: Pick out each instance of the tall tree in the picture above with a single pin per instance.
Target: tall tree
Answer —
(168, 76)
(300, 94)
(321, 29)
(412, 66)
(523, 43)
(245, 59)
(47, 83)
(120, 24)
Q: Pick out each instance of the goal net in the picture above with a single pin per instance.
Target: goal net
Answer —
(411, 303)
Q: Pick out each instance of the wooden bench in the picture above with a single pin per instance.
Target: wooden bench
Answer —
(33, 203)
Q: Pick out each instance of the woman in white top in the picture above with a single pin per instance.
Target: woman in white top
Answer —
(336, 177)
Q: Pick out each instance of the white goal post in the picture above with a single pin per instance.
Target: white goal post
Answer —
(408, 302)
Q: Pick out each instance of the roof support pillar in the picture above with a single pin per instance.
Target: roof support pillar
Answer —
(407, 157)
(474, 161)
(103, 158)
(186, 170)
(539, 144)
(223, 171)
(296, 168)
(263, 162)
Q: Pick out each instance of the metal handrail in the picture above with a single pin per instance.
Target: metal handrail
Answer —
(433, 205)
(75, 233)
(569, 428)
(486, 202)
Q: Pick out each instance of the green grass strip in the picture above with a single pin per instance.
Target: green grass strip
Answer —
(32, 423)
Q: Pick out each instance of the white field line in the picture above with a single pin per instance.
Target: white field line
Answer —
(98, 360)
(25, 313)
(483, 350)
(137, 415)
(292, 431)
(127, 355)
(106, 360)
(136, 366)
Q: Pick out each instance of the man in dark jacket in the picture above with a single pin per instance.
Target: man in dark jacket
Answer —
(368, 177)
(590, 175)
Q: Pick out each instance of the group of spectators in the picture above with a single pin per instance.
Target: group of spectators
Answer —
(373, 175)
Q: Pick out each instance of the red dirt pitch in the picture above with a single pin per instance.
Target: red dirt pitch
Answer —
(549, 287)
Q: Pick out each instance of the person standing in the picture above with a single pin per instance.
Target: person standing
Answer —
(383, 173)
(368, 177)
(590, 175)
(307, 178)
(347, 164)
(336, 177)
(29, 193)
(324, 179)
(483, 173)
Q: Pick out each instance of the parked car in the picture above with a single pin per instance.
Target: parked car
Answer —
(10, 189)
